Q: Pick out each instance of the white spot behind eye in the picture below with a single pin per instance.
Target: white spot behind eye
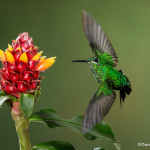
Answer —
(94, 62)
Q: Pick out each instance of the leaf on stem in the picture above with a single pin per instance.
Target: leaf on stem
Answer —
(4, 96)
(50, 118)
(117, 145)
(26, 104)
(37, 95)
(99, 148)
(53, 145)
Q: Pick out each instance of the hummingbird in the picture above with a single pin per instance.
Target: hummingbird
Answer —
(102, 65)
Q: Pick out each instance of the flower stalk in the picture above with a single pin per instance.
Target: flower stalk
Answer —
(22, 125)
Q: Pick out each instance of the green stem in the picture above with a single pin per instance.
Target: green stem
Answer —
(22, 125)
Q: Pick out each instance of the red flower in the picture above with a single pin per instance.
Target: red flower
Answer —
(22, 66)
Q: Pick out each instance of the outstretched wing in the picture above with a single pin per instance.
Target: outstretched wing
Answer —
(96, 37)
(98, 108)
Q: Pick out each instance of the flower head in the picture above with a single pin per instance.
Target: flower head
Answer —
(22, 66)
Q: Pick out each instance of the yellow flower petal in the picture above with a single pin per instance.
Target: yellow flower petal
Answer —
(18, 48)
(52, 58)
(45, 64)
(30, 48)
(2, 55)
(37, 56)
(24, 57)
(42, 58)
(10, 48)
(9, 57)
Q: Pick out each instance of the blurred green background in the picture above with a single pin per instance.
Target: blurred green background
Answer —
(56, 28)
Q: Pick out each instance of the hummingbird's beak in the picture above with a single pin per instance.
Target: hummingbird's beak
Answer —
(79, 61)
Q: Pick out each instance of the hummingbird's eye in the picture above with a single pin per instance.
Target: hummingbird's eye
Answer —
(96, 59)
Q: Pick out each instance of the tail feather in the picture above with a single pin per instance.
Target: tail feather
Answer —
(123, 92)
(122, 97)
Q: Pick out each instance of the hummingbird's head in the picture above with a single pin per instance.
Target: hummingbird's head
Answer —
(90, 61)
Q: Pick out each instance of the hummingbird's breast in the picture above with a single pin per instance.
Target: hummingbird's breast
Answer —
(98, 71)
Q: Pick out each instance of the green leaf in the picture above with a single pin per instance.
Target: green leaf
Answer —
(117, 145)
(4, 96)
(99, 148)
(53, 145)
(100, 130)
(26, 104)
(50, 118)
(37, 95)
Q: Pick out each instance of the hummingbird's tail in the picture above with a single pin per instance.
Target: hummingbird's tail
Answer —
(125, 90)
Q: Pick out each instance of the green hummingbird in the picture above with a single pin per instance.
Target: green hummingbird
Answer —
(102, 66)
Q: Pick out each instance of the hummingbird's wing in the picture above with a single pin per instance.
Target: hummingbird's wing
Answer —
(96, 37)
(99, 106)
